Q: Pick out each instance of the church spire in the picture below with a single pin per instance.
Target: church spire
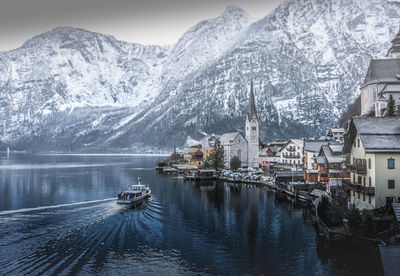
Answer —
(394, 51)
(252, 104)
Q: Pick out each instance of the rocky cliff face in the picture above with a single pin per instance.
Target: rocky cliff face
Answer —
(74, 89)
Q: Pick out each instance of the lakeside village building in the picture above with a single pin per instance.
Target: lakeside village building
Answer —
(363, 158)
(373, 141)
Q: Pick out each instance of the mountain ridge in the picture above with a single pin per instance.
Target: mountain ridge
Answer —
(79, 90)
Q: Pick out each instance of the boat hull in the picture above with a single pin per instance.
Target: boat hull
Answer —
(133, 200)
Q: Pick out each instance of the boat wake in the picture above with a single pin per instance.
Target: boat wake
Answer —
(24, 210)
(78, 239)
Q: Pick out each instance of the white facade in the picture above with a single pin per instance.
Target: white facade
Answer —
(375, 178)
(253, 140)
(292, 153)
(234, 144)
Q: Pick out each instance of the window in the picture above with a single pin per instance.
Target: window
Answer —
(369, 199)
(254, 128)
(358, 142)
(363, 197)
(359, 180)
(358, 195)
(389, 200)
(390, 163)
(354, 193)
(369, 181)
(369, 163)
(240, 154)
(364, 182)
(391, 184)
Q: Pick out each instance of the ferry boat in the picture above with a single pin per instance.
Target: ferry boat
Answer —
(134, 193)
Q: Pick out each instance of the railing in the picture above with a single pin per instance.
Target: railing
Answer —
(291, 156)
(359, 169)
(360, 188)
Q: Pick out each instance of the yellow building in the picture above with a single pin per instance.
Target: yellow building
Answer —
(373, 148)
(195, 156)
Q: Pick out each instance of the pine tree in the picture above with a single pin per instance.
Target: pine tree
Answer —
(235, 162)
(216, 158)
(390, 107)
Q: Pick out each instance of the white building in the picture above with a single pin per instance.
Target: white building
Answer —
(292, 153)
(234, 145)
(381, 81)
(373, 146)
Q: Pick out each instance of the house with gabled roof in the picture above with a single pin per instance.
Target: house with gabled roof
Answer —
(373, 150)
(292, 153)
(311, 150)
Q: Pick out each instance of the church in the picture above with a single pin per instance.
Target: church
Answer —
(382, 82)
(246, 147)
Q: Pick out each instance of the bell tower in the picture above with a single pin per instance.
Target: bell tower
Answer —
(252, 133)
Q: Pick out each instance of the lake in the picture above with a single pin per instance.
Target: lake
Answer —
(58, 215)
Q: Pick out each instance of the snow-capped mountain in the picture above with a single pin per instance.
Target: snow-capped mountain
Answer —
(74, 89)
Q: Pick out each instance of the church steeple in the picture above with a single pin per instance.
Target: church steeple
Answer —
(252, 114)
(394, 51)
(252, 132)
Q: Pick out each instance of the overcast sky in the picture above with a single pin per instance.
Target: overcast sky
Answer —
(143, 21)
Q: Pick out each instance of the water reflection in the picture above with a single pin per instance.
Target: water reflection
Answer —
(184, 228)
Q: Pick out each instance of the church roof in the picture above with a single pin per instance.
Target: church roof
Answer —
(383, 70)
(252, 104)
(227, 138)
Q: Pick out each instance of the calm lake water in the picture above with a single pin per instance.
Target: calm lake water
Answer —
(58, 215)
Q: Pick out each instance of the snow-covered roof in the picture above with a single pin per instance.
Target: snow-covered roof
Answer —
(378, 134)
(338, 148)
(227, 138)
(383, 70)
(335, 159)
(315, 145)
(298, 142)
(321, 160)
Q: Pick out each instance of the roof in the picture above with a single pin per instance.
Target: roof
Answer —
(339, 129)
(288, 173)
(321, 160)
(317, 192)
(383, 70)
(391, 88)
(396, 210)
(338, 148)
(335, 159)
(298, 142)
(315, 145)
(206, 141)
(378, 134)
(252, 104)
(226, 138)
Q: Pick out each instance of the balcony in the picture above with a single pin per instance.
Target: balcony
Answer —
(294, 156)
(358, 169)
(359, 188)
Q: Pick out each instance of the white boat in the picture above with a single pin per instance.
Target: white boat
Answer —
(134, 193)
